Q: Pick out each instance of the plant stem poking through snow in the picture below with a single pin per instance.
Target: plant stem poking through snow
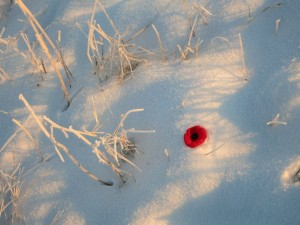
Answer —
(189, 49)
(35, 62)
(117, 145)
(10, 189)
(4, 74)
(110, 54)
(40, 35)
(264, 10)
(277, 25)
(163, 54)
(276, 121)
(243, 57)
(58, 145)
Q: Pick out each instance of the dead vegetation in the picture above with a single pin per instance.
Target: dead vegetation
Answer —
(117, 146)
(199, 16)
(10, 189)
(110, 54)
(45, 41)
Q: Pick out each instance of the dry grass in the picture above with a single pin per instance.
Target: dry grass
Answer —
(10, 189)
(4, 75)
(43, 39)
(243, 56)
(110, 54)
(193, 43)
(163, 52)
(276, 5)
(39, 65)
(118, 147)
(9, 43)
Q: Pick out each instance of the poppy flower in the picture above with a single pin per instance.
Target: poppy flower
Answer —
(195, 136)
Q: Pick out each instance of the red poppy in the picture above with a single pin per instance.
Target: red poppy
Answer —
(195, 136)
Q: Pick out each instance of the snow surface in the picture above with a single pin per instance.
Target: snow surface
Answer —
(248, 176)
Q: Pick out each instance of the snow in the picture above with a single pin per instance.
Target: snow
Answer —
(245, 171)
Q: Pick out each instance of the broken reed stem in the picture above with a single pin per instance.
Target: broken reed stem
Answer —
(14, 135)
(107, 16)
(97, 125)
(26, 131)
(37, 29)
(10, 191)
(2, 71)
(52, 61)
(29, 15)
(119, 58)
(63, 63)
(192, 33)
(34, 59)
(181, 52)
(121, 124)
(59, 145)
(214, 150)
(243, 56)
(4, 112)
(163, 54)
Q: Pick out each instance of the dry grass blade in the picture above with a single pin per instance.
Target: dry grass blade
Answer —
(29, 135)
(58, 145)
(203, 12)
(107, 16)
(57, 217)
(2, 72)
(163, 54)
(14, 135)
(190, 49)
(265, 9)
(121, 124)
(110, 54)
(34, 59)
(243, 56)
(192, 33)
(40, 35)
(117, 145)
(10, 190)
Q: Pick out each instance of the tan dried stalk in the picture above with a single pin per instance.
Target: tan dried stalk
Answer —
(29, 135)
(34, 59)
(40, 35)
(60, 146)
(119, 58)
(2, 72)
(10, 189)
(14, 135)
(116, 145)
(243, 57)
(163, 53)
(189, 49)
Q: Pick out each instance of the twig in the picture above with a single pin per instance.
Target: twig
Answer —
(214, 149)
(34, 59)
(26, 131)
(264, 10)
(243, 56)
(160, 43)
(2, 71)
(167, 154)
(277, 24)
(37, 29)
(192, 31)
(13, 135)
(1, 111)
(59, 145)
(276, 121)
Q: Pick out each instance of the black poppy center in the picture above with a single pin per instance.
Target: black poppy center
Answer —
(194, 136)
